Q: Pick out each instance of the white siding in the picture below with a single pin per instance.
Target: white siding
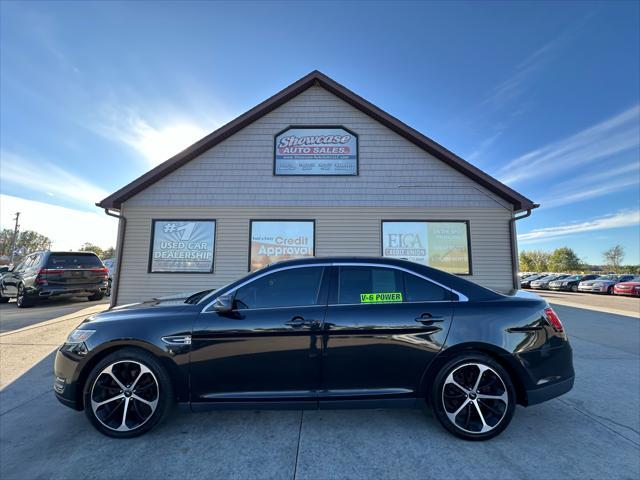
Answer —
(393, 171)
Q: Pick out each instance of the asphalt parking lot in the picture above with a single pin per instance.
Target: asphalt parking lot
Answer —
(592, 432)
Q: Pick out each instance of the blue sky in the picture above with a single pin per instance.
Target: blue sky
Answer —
(544, 96)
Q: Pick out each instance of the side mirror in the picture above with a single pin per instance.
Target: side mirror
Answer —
(224, 304)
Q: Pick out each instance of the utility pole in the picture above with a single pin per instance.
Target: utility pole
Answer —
(15, 238)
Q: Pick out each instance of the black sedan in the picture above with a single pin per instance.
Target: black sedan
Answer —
(321, 333)
(570, 284)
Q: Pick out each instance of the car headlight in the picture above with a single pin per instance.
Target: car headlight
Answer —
(598, 284)
(79, 336)
(637, 287)
(75, 341)
(564, 284)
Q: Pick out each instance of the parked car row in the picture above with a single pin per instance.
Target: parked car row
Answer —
(592, 283)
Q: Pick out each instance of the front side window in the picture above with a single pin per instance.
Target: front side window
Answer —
(286, 288)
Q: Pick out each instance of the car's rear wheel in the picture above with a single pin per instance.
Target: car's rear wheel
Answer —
(96, 296)
(610, 290)
(574, 288)
(127, 393)
(473, 397)
(22, 299)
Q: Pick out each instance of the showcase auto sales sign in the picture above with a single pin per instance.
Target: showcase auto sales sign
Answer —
(316, 151)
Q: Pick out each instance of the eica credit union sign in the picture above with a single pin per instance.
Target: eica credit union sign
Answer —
(316, 151)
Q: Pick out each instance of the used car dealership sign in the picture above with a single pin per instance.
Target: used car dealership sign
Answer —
(316, 151)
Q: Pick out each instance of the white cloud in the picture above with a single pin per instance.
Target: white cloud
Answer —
(45, 177)
(624, 218)
(615, 135)
(155, 143)
(66, 227)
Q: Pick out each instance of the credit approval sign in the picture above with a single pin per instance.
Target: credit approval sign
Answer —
(316, 151)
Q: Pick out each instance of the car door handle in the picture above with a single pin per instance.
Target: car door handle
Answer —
(427, 318)
(299, 322)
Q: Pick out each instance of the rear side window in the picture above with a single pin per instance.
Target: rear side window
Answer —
(369, 285)
(73, 260)
(287, 288)
(420, 290)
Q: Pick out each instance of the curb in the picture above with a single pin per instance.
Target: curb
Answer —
(70, 316)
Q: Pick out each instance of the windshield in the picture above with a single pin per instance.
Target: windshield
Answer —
(196, 297)
(573, 277)
(607, 277)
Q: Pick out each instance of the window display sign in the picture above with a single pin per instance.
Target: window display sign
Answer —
(276, 240)
(316, 151)
(442, 245)
(182, 246)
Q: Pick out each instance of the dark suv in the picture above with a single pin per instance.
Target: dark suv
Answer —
(53, 274)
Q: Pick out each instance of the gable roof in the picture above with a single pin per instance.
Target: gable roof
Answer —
(115, 200)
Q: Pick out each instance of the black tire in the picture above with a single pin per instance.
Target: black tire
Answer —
(99, 382)
(475, 413)
(574, 288)
(610, 290)
(96, 296)
(22, 300)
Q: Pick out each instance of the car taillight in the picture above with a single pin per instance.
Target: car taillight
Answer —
(44, 271)
(100, 270)
(553, 319)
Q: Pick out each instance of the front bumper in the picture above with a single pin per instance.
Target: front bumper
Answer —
(592, 288)
(632, 292)
(564, 288)
(66, 370)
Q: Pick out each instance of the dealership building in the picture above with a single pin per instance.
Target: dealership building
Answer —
(315, 170)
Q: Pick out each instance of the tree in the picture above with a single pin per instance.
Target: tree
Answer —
(90, 247)
(102, 253)
(27, 242)
(613, 257)
(534, 261)
(564, 259)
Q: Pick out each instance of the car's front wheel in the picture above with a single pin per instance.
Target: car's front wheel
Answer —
(127, 393)
(473, 397)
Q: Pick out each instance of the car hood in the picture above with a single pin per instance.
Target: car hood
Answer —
(588, 283)
(628, 284)
(152, 308)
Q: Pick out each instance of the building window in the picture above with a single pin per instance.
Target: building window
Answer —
(272, 241)
(182, 246)
(440, 244)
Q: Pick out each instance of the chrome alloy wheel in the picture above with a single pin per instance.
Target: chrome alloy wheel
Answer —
(475, 398)
(124, 395)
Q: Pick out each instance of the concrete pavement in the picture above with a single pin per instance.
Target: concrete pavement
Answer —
(592, 432)
(12, 317)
